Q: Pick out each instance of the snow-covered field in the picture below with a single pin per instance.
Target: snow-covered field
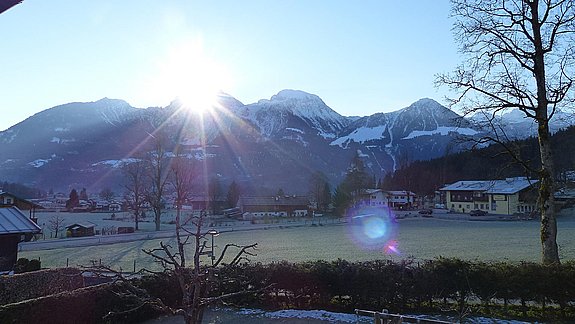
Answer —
(414, 237)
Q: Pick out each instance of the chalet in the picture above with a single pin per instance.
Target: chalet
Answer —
(504, 197)
(79, 230)
(273, 206)
(15, 227)
(393, 199)
(9, 200)
(401, 199)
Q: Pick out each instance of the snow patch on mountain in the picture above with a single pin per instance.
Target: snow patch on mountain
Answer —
(442, 130)
(8, 136)
(297, 130)
(327, 135)
(361, 135)
(38, 163)
(116, 163)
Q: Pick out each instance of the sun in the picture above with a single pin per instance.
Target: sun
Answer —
(192, 77)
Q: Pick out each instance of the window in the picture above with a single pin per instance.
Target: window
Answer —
(475, 206)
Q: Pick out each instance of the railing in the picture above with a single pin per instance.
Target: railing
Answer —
(384, 317)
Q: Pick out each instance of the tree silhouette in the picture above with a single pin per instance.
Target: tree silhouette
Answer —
(518, 55)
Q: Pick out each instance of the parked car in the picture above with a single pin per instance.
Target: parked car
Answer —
(426, 212)
(477, 212)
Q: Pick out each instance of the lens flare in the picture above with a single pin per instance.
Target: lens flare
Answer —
(391, 248)
(373, 228)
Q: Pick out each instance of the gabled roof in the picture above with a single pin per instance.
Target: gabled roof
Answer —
(390, 192)
(274, 201)
(26, 201)
(508, 186)
(81, 225)
(13, 221)
(400, 192)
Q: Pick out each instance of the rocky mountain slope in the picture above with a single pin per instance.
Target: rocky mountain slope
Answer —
(271, 144)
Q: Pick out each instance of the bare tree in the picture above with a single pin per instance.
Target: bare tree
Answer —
(519, 54)
(320, 191)
(135, 176)
(158, 173)
(182, 176)
(56, 224)
(194, 281)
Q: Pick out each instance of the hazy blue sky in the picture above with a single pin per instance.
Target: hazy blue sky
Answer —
(360, 57)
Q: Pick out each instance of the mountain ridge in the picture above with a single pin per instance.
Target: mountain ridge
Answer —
(273, 143)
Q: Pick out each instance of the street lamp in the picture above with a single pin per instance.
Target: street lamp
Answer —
(213, 233)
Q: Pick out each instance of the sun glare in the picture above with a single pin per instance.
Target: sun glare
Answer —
(190, 76)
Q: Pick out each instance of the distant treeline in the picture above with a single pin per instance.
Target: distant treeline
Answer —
(493, 162)
(21, 190)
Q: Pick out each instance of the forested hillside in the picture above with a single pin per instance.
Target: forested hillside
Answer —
(493, 162)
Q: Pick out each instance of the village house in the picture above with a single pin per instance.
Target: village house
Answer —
(393, 199)
(9, 200)
(15, 227)
(273, 206)
(503, 197)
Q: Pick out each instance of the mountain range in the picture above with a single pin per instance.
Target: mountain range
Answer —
(263, 146)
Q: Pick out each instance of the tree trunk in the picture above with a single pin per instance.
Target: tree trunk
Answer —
(157, 215)
(136, 218)
(550, 253)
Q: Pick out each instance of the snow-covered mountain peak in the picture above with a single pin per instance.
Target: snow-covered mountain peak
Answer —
(111, 103)
(276, 114)
(289, 94)
(426, 103)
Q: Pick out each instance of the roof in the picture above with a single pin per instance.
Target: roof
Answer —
(389, 192)
(274, 201)
(81, 225)
(13, 221)
(508, 186)
(26, 201)
(400, 193)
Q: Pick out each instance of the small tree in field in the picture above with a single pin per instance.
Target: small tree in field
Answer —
(157, 176)
(56, 224)
(520, 54)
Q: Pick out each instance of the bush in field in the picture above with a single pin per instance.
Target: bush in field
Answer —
(24, 265)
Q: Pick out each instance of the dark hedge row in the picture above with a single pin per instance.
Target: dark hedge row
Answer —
(527, 290)
(523, 290)
(38, 283)
(85, 305)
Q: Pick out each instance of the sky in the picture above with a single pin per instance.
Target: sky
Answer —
(360, 57)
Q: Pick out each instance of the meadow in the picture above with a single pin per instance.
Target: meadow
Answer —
(417, 238)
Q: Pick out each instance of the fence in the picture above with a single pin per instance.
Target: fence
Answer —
(384, 317)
